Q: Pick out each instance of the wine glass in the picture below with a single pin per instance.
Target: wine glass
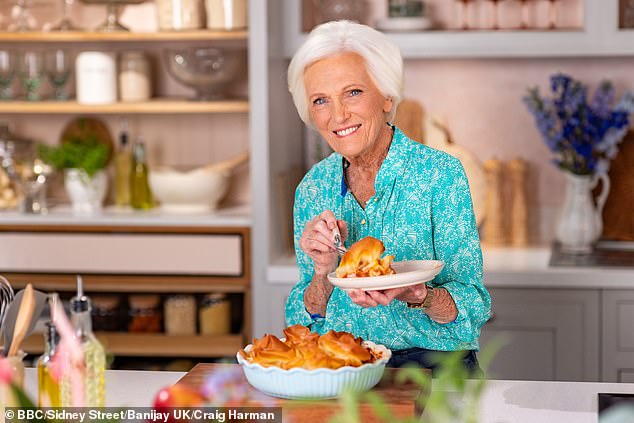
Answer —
(58, 67)
(31, 70)
(21, 17)
(7, 73)
(66, 23)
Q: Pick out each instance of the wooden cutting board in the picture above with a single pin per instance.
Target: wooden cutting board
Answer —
(618, 212)
(400, 398)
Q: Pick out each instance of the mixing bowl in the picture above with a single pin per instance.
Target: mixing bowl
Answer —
(209, 71)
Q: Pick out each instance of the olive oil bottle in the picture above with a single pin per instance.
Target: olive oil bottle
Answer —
(122, 168)
(92, 370)
(49, 389)
(140, 188)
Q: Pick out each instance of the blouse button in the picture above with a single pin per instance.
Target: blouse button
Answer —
(363, 222)
(376, 199)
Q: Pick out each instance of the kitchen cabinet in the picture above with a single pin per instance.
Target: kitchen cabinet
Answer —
(546, 334)
(618, 336)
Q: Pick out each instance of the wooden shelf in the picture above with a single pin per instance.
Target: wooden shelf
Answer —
(156, 345)
(157, 106)
(131, 283)
(90, 36)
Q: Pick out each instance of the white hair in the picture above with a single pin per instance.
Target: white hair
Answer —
(382, 58)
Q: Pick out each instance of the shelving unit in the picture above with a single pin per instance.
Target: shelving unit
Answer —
(224, 230)
(88, 36)
(158, 345)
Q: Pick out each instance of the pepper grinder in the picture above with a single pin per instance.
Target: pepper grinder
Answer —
(519, 209)
(494, 234)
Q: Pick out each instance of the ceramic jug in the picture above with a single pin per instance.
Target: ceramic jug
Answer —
(580, 222)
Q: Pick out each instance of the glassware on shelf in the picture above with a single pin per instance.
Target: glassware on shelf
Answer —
(58, 68)
(481, 14)
(21, 17)
(207, 70)
(112, 23)
(334, 10)
(7, 74)
(541, 14)
(31, 71)
(66, 24)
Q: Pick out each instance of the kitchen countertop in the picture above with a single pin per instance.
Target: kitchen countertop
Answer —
(513, 268)
(502, 401)
(111, 216)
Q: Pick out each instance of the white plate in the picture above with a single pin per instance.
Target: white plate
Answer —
(408, 273)
(404, 24)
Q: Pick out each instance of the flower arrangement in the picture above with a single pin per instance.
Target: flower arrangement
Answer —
(583, 135)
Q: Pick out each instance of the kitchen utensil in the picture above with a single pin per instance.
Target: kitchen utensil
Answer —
(337, 241)
(112, 23)
(209, 71)
(21, 317)
(437, 135)
(195, 191)
(6, 297)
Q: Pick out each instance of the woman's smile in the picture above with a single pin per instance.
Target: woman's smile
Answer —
(342, 133)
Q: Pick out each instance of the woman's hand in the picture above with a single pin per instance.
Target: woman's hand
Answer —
(410, 294)
(317, 241)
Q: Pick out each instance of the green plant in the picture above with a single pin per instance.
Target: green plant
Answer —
(452, 396)
(88, 154)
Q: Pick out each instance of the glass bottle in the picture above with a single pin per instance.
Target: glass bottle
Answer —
(140, 188)
(93, 368)
(122, 168)
(48, 387)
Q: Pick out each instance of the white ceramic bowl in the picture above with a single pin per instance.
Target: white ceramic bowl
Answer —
(196, 191)
(298, 383)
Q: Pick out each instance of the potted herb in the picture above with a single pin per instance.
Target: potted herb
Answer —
(83, 161)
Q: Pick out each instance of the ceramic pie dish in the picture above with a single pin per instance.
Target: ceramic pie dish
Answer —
(299, 383)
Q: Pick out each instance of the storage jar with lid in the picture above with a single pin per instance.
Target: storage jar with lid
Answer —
(226, 14)
(179, 14)
(180, 315)
(96, 77)
(134, 77)
(106, 313)
(144, 313)
(215, 315)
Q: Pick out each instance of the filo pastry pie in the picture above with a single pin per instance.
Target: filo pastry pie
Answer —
(363, 259)
(302, 348)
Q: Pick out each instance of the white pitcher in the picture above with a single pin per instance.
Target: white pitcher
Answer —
(580, 222)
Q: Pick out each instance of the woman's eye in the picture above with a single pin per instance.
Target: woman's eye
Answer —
(319, 101)
(355, 92)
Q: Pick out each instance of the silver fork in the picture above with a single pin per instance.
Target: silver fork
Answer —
(337, 241)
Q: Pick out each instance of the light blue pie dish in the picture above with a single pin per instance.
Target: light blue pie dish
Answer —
(298, 383)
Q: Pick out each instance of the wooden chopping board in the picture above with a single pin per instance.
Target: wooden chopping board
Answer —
(401, 398)
(618, 212)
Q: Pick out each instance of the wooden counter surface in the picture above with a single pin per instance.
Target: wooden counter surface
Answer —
(401, 398)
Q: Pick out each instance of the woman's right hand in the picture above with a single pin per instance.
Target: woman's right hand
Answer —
(318, 241)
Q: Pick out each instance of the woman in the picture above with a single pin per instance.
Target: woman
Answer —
(346, 81)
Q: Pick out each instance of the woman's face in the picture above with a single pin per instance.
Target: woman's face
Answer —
(345, 105)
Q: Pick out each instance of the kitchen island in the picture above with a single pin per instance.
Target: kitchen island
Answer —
(503, 401)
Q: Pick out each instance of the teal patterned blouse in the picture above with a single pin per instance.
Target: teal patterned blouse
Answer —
(422, 210)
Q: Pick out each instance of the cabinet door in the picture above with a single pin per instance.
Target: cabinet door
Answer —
(549, 334)
(618, 336)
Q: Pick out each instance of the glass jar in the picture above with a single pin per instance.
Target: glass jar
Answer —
(144, 313)
(134, 77)
(106, 314)
(215, 315)
(180, 315)
(481, 14)
(179, 14)
(226, 15)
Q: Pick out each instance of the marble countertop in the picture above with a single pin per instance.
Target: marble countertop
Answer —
(502, 401)
(112, 216)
